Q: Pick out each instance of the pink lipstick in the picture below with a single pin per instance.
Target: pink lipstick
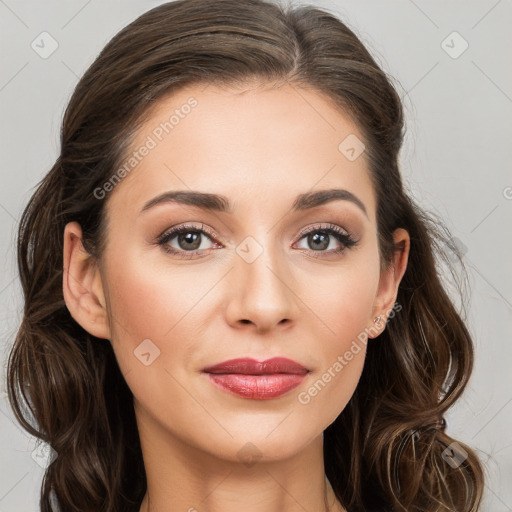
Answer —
(263, 380)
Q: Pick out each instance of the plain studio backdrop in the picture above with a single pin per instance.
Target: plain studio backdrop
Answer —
(451, 62)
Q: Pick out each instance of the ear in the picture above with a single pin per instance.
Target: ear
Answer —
(82, 286)
(389, 280)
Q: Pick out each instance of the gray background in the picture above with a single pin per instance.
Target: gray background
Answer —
(456, 162)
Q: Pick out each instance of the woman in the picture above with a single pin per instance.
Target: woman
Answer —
(301, 353)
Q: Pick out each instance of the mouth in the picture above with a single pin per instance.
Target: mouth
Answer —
(257, 380)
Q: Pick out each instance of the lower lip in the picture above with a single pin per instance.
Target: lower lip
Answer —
(257, 387)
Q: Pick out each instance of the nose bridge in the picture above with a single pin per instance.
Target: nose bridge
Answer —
(262, 291)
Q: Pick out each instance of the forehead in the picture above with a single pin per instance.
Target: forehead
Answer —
(258, 145)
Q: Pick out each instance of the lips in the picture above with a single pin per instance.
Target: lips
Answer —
(257, 380)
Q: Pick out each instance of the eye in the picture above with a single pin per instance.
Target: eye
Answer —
(188, 239)
(320, 238)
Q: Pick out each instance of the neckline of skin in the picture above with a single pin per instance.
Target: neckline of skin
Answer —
(329, 508)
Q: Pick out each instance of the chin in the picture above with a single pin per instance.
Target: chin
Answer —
(252, 447)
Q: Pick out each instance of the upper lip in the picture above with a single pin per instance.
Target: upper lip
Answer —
(250, 366)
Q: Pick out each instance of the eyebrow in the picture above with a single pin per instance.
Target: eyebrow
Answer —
(220, 203)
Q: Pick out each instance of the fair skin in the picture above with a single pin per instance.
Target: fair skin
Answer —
(260, 148)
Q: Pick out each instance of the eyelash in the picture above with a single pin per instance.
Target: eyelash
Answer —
(331, 229)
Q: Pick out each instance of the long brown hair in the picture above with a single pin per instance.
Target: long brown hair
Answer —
(388, 449)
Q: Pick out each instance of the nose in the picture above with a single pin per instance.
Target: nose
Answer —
(261, 294)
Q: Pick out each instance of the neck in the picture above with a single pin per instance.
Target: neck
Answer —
(184, 477)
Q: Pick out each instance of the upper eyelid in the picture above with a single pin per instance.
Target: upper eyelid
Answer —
(327, 226)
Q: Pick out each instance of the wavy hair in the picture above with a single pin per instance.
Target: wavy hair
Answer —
(388, 449)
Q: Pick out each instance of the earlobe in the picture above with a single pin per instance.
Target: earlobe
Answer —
(390, 280)
(82, 285)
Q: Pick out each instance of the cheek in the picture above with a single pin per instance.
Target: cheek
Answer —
(156, 319)
(345, 309)
(151, 334)
(342, 359)
(144, 307)
(344, 300)
(150, 302)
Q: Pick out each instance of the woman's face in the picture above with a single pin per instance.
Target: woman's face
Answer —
(247, 280)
